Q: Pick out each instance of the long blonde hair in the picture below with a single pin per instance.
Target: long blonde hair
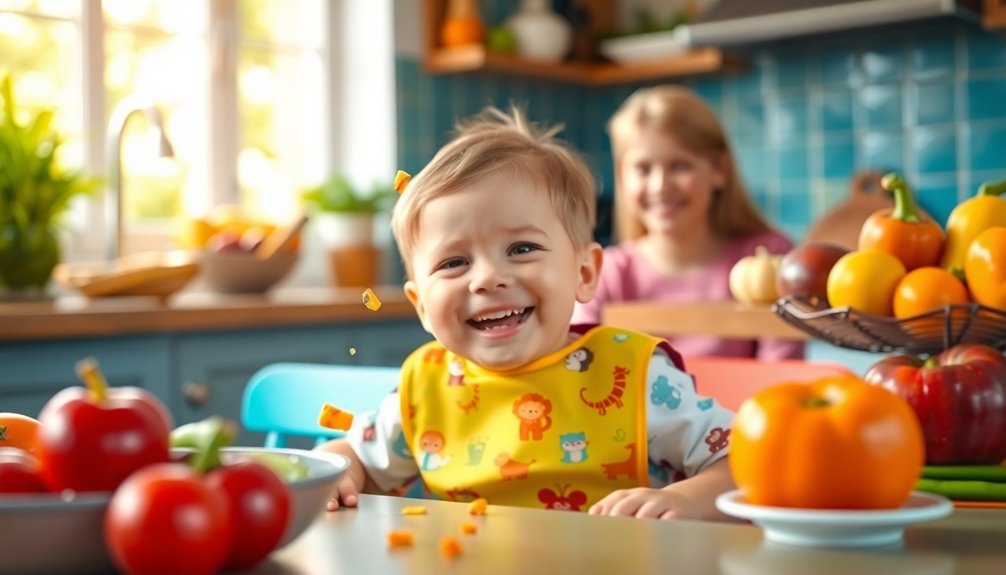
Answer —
(679, 113)
(492, 142)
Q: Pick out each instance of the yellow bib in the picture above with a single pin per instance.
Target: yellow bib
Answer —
(559, 433)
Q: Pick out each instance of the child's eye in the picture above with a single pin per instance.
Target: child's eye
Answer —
(523, 248)
(680, 166)
(451, 264)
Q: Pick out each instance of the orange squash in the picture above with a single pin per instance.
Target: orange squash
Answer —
(833, 443)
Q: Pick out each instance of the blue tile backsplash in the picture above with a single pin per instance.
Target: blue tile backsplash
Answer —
(926, 99)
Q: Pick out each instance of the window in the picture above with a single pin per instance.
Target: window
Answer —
(248, 91)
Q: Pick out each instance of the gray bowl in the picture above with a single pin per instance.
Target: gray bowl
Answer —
(50, 534)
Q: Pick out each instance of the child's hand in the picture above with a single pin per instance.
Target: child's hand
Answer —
(347, 493)
(353, 479)
(648, 503)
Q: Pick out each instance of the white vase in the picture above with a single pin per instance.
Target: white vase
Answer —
(541, 33)
(338, 230)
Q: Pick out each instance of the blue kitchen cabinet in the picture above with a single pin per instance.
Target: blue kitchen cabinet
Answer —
(213, 367)
(197, 374)
(32, 372)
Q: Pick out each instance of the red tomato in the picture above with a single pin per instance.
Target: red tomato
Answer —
(958, 397)
(259, 504)
(19, 472)
(166, 519)
(93, 445)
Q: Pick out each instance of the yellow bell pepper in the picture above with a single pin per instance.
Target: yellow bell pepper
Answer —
(970, 218)
(985, 268)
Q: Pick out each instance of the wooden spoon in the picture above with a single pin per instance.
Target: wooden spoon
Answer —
(278, 239)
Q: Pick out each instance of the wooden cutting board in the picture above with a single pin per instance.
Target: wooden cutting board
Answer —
(841, 224)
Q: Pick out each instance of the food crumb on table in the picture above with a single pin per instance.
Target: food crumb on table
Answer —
(400, 538)
(450, 546)
(414, 510)
(478, 507)
(469, 528)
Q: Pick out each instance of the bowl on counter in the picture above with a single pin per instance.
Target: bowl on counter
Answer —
(158, 274)
(50, 533)
(245, 272)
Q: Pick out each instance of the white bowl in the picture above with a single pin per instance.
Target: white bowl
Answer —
(47, 534)
(643, 47)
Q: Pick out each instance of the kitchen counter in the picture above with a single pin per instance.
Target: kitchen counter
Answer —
(79, 317)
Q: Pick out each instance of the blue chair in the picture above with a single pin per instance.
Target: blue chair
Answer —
(284, 399)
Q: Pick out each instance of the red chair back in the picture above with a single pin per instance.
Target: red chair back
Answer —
(731, 380)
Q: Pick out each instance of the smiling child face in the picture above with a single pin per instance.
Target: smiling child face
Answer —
(495, 274)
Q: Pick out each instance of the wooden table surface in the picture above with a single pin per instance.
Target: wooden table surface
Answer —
(539, 542)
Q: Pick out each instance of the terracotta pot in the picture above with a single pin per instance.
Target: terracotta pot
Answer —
(355, 266)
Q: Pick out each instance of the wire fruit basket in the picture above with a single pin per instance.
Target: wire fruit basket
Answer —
(926, 333)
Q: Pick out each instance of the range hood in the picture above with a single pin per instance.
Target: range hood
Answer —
(745, 21)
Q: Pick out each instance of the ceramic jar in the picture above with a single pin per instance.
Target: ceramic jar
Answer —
(541, 33)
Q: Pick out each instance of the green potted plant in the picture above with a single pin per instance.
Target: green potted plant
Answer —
(35, 192)
(343, 217)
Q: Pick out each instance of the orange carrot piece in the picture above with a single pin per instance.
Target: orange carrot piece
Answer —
(469, 528)
(399, 538)
(478, 507)
(450, 547)
(334, 418)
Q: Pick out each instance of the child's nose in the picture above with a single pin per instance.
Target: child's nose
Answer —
(489, 276)
(660, 180)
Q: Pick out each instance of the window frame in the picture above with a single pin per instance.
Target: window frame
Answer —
(359, 37)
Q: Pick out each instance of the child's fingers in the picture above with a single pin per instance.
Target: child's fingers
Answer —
(603, 507)
(346, 495)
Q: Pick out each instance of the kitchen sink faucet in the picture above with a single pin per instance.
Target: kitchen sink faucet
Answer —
(129, 106)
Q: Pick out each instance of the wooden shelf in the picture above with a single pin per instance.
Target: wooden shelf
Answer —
(475, 58)
(995, 14)
(720, 319)
(439, 60)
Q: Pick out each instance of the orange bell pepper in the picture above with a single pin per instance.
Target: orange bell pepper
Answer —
(833, 443)
(970, 218)
(985, 268)
(904, 231)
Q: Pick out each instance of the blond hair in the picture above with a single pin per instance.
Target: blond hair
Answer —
(495, 142)
(680, 114)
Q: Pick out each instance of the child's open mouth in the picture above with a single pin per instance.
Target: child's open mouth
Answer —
(501, 319)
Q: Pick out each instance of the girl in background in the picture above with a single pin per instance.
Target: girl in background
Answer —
(683, 217)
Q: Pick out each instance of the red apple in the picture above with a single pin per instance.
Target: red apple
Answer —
(804, 270)
(93, 437)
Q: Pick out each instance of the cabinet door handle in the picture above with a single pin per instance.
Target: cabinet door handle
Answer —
(196, 394)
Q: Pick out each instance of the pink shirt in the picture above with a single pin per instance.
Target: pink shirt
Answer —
(626, 276)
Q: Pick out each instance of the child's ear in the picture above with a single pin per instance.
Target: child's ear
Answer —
(589, 272)
(412, 293)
